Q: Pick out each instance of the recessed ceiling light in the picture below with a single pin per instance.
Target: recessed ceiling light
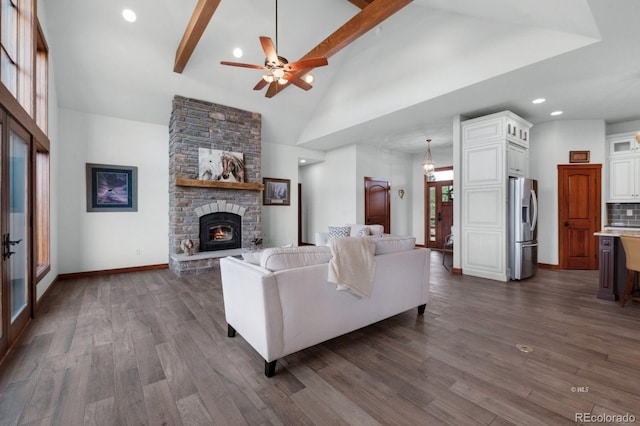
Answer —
(556, 113)
(129, 15)
(303, 161)
(538, 101)
(309, 78)
(237, 52)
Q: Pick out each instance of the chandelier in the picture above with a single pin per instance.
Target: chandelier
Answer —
(428, 164)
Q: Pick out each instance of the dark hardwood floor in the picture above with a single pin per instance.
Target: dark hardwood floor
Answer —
(150, 348)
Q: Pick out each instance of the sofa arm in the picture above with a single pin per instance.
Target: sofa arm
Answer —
(252, 305)
(322, 238)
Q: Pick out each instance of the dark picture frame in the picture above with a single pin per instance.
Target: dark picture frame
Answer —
(112, 188)
(579, 156)
(277, 192)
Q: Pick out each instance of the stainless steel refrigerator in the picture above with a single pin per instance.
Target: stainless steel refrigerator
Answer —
(523, 230)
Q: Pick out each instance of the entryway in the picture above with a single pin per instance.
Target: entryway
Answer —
(438, 208)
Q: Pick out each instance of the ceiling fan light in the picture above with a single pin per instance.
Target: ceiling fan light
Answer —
(282, 80)
(278, 73)
(268, 78)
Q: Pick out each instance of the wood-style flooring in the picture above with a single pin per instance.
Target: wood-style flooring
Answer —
(150, 348)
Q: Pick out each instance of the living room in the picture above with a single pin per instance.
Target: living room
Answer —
(105, 107)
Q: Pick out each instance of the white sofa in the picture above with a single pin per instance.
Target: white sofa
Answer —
(286, 303)
(322, 238)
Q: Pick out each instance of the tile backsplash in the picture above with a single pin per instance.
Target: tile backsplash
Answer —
(617, 214)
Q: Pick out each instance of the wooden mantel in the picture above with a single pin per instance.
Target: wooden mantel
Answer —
(218, 184)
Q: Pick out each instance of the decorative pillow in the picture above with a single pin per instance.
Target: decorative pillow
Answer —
(339, 231)
(364, 232)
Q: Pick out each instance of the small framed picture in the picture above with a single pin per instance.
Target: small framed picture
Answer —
(277, 192)
(112, 188)
(579, 156)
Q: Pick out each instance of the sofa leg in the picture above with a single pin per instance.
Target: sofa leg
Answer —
(421, 309)
(231, 332)
(270, 368)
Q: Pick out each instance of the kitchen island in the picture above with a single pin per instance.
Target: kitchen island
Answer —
(613, 270)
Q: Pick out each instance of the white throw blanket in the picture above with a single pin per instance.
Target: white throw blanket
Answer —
(353, 266)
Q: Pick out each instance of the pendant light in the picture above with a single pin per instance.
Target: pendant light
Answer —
(427, 163)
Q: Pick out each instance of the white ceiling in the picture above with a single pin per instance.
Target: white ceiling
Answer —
(394, 87)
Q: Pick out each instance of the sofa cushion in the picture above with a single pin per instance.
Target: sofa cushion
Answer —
(392, 243)
(280, 258)
(339, 231)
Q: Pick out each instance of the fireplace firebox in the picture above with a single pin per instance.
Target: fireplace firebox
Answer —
(220, 231)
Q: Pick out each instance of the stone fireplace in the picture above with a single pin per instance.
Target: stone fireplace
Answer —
(221, 220)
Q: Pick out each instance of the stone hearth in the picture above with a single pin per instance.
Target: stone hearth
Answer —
(198, 124)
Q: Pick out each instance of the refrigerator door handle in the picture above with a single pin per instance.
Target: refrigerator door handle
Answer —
(529, 245)
(534, 219)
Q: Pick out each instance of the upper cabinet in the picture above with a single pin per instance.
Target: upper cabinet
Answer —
(623, 144)
(624, 168)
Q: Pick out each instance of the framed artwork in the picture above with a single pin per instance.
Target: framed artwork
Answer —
(579, 156)
(112, 188)
(224, 166)
(277, 192)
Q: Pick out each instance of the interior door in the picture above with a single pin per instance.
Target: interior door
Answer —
(16, 268)
(377, 204)
(579, 195)
(439, 208)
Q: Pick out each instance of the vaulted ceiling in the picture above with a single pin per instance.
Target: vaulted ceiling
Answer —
(395, 86)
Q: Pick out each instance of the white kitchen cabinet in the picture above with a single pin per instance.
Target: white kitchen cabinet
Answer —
(624, 179)
(623, 144)
(494, 147)
(516, 160)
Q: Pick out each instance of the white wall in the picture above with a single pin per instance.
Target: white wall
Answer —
(280, 223)
(393, 166)
(329, 190)
(550, 146)
(628, 126)
(102, 241)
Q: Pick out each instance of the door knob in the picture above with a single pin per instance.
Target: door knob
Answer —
(566, 224)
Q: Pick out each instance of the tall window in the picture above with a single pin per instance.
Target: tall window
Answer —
(9, 45)
(42, 81)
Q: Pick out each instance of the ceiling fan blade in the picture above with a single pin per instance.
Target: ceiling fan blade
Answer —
(238, 64)
(294, 79)
(269, 50)
(306, 64)
(272, 90)
(260, 84)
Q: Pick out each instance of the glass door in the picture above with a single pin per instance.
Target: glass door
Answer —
(15, 233)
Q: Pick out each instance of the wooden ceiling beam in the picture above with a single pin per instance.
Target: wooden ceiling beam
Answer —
(367, 19)
(202, 14)
(361, 3)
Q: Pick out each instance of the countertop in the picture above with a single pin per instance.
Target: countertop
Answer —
(616, 231)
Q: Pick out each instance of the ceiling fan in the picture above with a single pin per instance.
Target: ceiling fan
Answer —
(279, 70)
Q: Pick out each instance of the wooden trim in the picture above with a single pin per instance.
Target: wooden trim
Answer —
(20, 115)
(456, 271)
(75, 275)
(361, 3)
(549, 266)
(218, 184)
(200, 18)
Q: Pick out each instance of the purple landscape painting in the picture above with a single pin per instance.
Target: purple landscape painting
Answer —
(112, 188)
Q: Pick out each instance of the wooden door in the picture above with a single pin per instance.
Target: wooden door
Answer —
(579, 207)
(377, 203)
(439, 212)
